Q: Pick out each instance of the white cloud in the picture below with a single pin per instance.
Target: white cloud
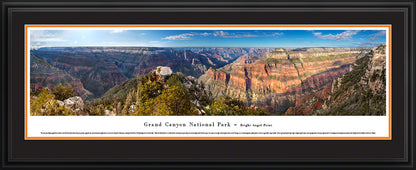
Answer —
(276, 34)
(206, 34)
(45, 36)
(232, 35)
(376, 36)
(341, 36)
(49, 40)
(116, 31)
(222, 34)
(186, 36)
(41, 38)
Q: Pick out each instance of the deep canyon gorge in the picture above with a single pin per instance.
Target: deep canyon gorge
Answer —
(280, 81)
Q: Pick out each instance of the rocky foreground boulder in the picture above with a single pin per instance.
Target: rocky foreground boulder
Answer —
(163, 72)
(75, 104)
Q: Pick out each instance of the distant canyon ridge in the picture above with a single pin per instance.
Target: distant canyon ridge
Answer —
(278, 80)
(92, 71)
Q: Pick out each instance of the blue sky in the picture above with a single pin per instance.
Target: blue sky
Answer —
(208, 38)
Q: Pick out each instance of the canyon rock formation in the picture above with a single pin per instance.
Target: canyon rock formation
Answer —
(276, 79)
(101, 68)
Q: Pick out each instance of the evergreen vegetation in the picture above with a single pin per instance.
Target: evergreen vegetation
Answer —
(63, 92)
(43, 103)
(226, 106)
(356, 94)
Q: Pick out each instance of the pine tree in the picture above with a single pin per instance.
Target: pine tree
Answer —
(175, 101)
(63, 92)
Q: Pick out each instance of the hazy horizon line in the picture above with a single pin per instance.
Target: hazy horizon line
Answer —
(209, 47)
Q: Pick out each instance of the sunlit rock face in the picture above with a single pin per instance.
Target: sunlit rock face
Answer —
(261, 79)
(361, 91)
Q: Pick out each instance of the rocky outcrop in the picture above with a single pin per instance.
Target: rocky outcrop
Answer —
(163, 72)
(308, 104)
(133, 96)
(75, 104)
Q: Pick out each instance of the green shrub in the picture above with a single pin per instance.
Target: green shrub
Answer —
(63, 92)
(228, 106)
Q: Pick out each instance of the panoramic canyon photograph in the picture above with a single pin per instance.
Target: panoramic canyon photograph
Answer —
(207, 72)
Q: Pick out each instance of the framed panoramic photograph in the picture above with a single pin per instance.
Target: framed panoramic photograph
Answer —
(208, 84)
(208, 81)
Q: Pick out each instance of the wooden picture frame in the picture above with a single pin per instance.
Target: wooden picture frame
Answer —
(395, 152)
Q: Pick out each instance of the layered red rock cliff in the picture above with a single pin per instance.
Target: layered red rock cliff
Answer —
(362, 91)
(254, 78)
(44, 75)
